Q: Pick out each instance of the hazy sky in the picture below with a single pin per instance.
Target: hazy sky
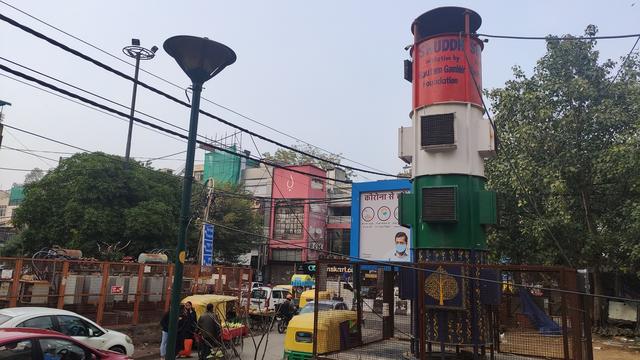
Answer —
(328, 72)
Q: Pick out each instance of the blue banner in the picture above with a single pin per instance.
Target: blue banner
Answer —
(207, 245)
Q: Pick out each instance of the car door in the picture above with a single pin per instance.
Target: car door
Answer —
(78, 329)
(276, 299)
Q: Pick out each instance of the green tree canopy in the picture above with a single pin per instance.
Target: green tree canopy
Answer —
(568, 168)
(99, 204)
(290, 157)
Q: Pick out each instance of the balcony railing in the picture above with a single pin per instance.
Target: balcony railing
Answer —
(339, 219)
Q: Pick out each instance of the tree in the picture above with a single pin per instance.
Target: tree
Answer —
(105, 207)
(231, 209)
(290, 157)
(33, 176)
(567, 172)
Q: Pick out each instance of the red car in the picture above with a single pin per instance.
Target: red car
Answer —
(37, 344)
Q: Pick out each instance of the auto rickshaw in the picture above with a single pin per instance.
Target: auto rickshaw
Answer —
(224, 308)
(309, 295)
(298, 341)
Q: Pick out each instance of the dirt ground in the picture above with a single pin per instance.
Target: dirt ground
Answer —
(616, 348)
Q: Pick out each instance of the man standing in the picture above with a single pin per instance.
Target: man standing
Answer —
(210, 331)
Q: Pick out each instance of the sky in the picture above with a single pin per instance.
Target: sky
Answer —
(327, 72)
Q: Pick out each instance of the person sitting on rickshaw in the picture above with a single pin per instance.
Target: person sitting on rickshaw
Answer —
(287, 310)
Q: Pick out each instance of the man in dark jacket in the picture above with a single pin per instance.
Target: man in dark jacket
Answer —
(210, 331)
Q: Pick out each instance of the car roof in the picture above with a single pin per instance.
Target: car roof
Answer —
(27, 333)
(19, 311)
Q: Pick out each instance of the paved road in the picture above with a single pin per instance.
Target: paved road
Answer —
(275, 347)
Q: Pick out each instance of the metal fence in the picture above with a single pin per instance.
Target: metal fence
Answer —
(382, 312)
(112, 294)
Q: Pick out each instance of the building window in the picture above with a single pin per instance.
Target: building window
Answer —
(317, 184)
(339, 240)
(3, 210)
(286, 254)
(289, 220)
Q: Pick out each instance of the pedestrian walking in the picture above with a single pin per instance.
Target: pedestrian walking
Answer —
(164, 324)
(210, 332)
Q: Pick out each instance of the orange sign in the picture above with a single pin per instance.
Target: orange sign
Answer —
(441, 72)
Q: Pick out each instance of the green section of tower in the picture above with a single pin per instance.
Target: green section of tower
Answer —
(448, 212)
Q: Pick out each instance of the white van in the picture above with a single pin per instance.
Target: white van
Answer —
(267, 299)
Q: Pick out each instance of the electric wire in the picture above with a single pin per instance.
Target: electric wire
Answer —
(126, 107)
(29, 153)
(155, 126)
(87, 106)
(430, 271)
(556, 38)
(383, 263)
(182, 88)
(176, 100)
(515, 172)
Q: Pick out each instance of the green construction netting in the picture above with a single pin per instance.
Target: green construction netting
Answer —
(16, 195)
(222, 167)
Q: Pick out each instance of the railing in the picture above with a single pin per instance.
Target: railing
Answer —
(111, 293)
(332, 219)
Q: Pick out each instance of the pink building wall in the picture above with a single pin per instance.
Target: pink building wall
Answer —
(291, 185)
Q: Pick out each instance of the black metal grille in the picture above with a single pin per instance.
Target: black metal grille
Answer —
(437, 130)
(439, 204)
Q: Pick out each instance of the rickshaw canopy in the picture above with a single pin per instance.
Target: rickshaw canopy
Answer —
(219, 302)
(309, 295)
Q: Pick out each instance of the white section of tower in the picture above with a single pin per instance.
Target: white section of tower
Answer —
(473, 143)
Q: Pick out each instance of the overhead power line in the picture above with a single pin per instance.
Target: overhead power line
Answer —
(417, 268)
(85, 105)
(181, 102)
(158, 127)
(182, 88)
(563, 38)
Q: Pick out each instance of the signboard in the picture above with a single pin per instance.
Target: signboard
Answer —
(375, 232)
(207, 245)
(117, 290)
(381, 237)
(442, 73)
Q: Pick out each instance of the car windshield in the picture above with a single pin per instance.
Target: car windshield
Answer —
(4, 318)
(259, 294)
(309, 308)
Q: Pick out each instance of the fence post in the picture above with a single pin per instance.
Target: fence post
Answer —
(63, 284)
(219, 285)
(139, 287)
(103, 292)
(571, 283)
(422, 346)
(15, 284)
(169, 281)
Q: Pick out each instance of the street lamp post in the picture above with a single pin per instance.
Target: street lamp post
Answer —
(139, 53)
(201, 59)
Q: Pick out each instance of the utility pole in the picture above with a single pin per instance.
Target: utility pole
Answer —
(205, 215)
(139, 53)
(2, 105)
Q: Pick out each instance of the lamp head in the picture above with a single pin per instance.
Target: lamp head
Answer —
(200, 58)
(135, 42)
